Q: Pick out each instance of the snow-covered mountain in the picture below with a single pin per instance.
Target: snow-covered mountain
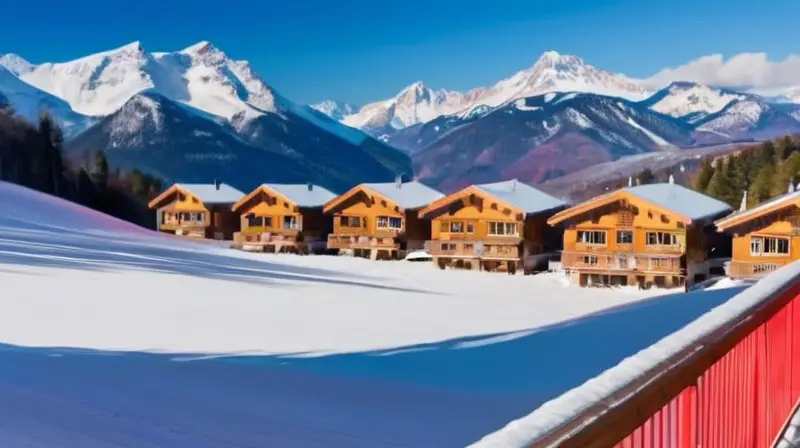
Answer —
(27, 101)
(15, 64)
(552, 72)
(334, 109)
(541, 137)
(724, 113)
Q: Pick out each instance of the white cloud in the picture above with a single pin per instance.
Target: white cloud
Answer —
(749, 70)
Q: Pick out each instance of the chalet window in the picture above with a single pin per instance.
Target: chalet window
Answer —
(662, 239)
(503, 228)
(624, 237)
(769, 246)
(470, 227)
(197, 216)
(597, 237)
(456, 227)
(660, 264)
(590, 260)
(448, 247)
(350, 221)
(255, 221)
(389, 222)
(290, 222)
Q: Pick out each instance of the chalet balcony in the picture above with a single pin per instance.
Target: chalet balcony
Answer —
(338, 241)
(251, 237)
(490, 250)
(187, 228)
(629, 263)
(755, 270)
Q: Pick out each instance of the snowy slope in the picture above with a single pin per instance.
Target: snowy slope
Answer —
(15, 64)
(328, 293)
(552, 72)
(27, 101)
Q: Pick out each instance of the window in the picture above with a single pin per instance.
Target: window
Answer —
(756, 245)
(470, 227)
(290, 222)
(456, 227)
(389, 222)
(660, 264)
(624, 237)
(350, 221)
(196, 216)
(591, 260)
(255, 221)
(503, 228)
(662, 239)
(597, 237)
(762, 245)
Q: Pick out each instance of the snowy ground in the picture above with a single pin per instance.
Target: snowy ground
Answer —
(414, 356)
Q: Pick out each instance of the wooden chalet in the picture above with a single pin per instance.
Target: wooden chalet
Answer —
(658, 234)
(765, 237)
(492, 226)
(198, 210)
(284, 218)
(379, 220)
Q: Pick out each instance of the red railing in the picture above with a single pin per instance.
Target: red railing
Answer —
(734, 388)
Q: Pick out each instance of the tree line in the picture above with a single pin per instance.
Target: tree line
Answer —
(32, 155)
(764, 171)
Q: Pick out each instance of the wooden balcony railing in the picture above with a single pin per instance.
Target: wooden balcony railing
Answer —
(620, 262)
(336, 241)
(191, 228)
(264, 238)
(739, 269)
(500, 250)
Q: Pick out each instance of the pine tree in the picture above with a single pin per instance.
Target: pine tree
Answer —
(646, 177)
(720, 186)
(761, 189)
(767, 154)
(703, 176)
(784, 148)
(788, 171)
(99, 170)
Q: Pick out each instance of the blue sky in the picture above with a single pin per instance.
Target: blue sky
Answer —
(360, 50)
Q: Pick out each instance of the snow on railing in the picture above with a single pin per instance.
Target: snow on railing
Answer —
(615, 403)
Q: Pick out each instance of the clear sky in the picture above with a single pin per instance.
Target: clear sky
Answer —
(363, 50)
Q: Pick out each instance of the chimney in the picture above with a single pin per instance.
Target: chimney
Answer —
(398, 180)
(671, 179)
(630, 181)
(743, 206)
(310, 186)
(216, 184)
(514, 185)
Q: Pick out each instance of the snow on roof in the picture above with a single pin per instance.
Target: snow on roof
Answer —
(689, 203)
(783, 198)
(523, 196)
(407, 195)
(554, 413)
(304, 195)
(210, 194)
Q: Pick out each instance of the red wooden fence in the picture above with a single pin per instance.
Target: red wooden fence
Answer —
(742, 400)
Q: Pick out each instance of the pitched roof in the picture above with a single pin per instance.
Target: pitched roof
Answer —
(776, 203)
(302, 195)
(407, 195)
(688, 205)
(210, 194)
(522, 196)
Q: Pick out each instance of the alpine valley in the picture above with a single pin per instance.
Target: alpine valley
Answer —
(196, 115)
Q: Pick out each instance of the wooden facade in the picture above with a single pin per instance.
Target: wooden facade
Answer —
(474, 229)
(623, 239)
(764, 238)
(372, 221)
(190, 210)
(272, 221)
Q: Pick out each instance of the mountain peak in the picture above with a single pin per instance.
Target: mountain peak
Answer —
(554, 59)
(133, 47)
(16, 64)
(201, 47)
